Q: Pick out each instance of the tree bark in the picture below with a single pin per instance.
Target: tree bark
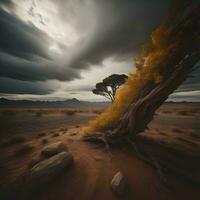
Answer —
(177, 67)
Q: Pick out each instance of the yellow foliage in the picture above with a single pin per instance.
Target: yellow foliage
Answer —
(149, 63)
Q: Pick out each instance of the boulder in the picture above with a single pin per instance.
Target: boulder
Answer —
(118, 183)
(47, 170)
(53, 149)
(35, 161)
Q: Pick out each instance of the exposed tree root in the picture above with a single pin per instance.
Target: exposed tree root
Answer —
(143, 155)
(99, 138)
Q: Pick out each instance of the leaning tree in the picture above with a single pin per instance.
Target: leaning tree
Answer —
(162, 66)
(109, 86)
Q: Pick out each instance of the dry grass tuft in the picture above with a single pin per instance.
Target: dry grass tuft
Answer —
(69, 112)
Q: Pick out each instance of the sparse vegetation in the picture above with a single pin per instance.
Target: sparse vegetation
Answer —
(69, 112)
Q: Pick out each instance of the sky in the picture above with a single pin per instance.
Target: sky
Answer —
(59, 49)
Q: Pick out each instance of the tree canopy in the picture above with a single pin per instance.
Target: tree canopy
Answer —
(109, 86)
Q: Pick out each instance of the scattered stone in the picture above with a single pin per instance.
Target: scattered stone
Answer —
(53, 149)
(35, 161)
(72, 134)
(118, 183)
(45, 141)
(47, 170)
(55, 135)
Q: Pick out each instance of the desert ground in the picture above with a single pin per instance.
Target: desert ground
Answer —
(25, 131)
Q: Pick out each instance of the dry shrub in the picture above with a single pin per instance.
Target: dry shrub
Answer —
(69, 112)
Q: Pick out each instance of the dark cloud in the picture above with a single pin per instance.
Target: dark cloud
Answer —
(24, 52)
(105, 28)
(21, 69)
(80, 88)
(192, 83)
(121, 28)
(7, 3)
(12, 86)
(21, 39)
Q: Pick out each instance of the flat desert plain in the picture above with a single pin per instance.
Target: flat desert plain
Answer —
(175, 131)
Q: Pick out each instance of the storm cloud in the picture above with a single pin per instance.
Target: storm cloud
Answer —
(42, 41)
(12, 86)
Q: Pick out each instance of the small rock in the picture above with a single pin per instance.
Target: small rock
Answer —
(35, 161)
(47, 170)
(53, 149)
(118, 183)
(73, 134)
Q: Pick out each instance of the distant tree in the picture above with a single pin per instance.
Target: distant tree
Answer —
(109, 86)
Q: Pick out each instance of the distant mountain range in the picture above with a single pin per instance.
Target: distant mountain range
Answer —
(67, 102)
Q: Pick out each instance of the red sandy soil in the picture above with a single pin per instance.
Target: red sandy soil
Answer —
(94, 167)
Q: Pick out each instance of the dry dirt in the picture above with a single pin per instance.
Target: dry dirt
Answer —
(94, 167)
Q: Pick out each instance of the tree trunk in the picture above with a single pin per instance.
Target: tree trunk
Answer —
(177, 66)
(140, 113)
